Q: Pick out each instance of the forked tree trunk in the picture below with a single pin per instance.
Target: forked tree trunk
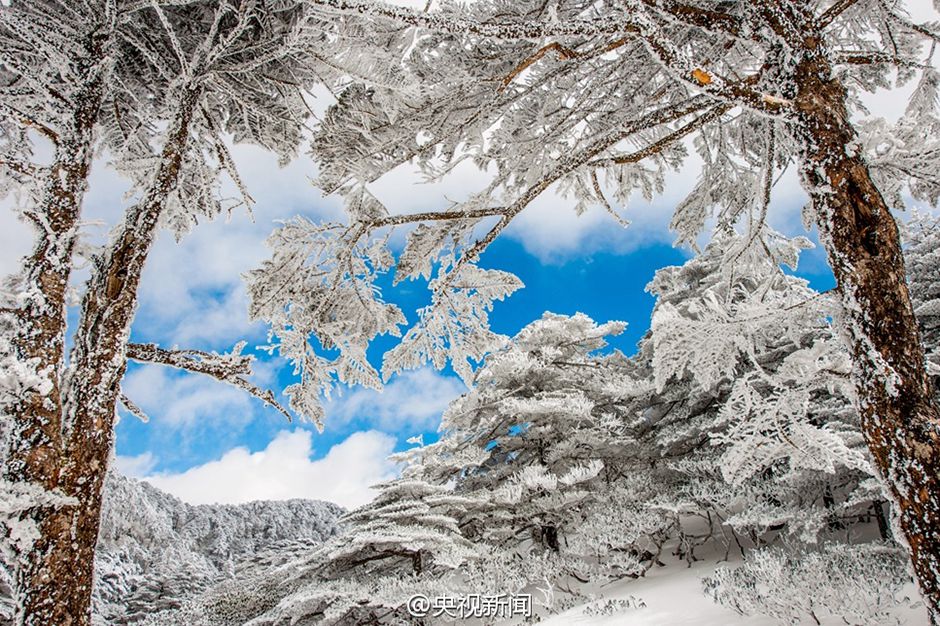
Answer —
(60, 590)
(900, 420)
(34, 462)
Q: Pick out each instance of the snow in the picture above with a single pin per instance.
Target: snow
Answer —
(673, 596)
(760, 462)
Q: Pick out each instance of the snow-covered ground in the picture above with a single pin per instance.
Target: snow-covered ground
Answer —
(673, 597)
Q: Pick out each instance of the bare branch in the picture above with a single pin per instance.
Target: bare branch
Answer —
(432, 216)
(30, 122)
(226, 368)
(837, 8)
(564, 53)
(600, 196)
(875, 58)
(133, 408)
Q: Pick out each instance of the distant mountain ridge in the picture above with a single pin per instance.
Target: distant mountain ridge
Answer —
(155, 551)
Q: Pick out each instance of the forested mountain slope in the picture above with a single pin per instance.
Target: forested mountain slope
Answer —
(154, 550)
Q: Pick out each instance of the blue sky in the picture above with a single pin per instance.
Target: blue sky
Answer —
(605, 285)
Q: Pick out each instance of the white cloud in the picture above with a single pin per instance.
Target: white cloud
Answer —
(413, 402)
(135, 466)
(284, 470)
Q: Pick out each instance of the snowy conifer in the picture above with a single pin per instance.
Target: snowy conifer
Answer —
(161, 86)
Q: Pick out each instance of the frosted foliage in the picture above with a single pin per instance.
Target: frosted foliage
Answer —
(410, 520)
(565, 466)
(735, 416)
(905, 157)
(522, 90)
(238, 57)
(311, 289)
(455, 328)
(491, 507)
(239, 81)
(717, 327)
(922, 256)
(761, 340)
(859, 583)
(163, 89)
(567, 463)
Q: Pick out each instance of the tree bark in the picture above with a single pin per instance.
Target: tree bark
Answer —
(65, 565)
(34, 457)
(900, 421)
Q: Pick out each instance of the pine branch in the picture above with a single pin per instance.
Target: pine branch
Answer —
(30, 122)
(563, 53)
(20, 167)
(570, 163)
(871, 57)
(431, 216)
(737, 91)
(668, 140)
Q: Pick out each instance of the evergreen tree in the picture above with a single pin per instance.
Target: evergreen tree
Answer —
(161, 86)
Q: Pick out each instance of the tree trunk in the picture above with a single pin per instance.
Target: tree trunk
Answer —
(881, 518)
(900, 421)
(34, 458)
(69, 535)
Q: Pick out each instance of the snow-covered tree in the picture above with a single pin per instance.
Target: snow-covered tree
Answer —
(411, 522)
(753, 404)
(922, 253)
(161, 87)
(502, 500)
(567, 465)
(155, 552)
(405, 541)
(539, 426)
(596, 101)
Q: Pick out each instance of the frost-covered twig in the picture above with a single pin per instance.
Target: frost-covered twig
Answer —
(228, 368)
